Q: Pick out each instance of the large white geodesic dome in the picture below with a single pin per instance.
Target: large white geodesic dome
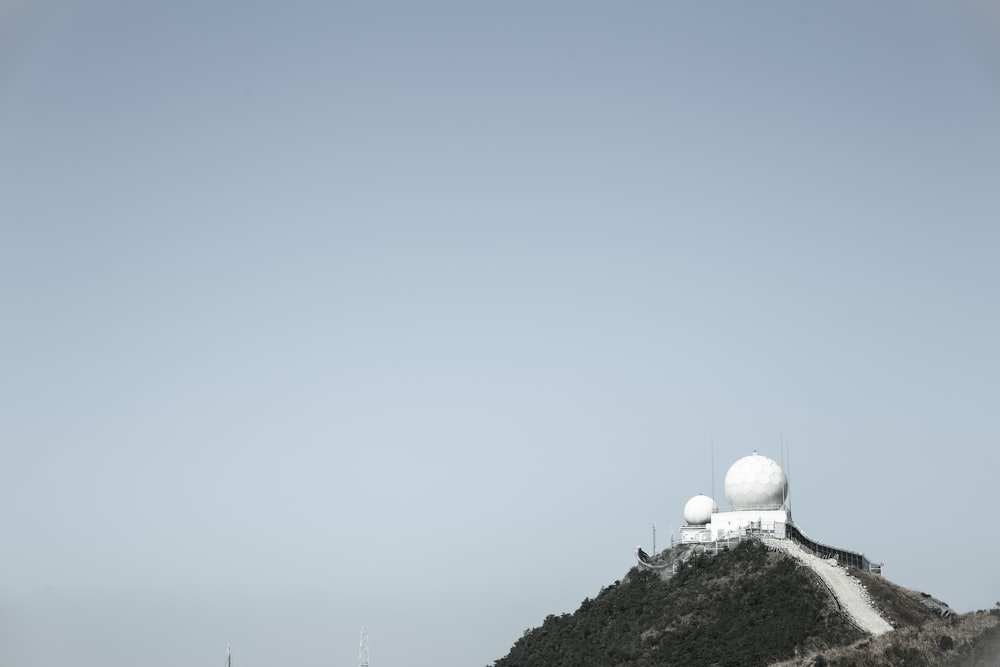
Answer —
(698, 510)
(756, 482)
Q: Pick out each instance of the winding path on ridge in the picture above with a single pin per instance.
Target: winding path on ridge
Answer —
(850, 593)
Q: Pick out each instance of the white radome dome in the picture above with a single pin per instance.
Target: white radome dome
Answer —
(756, 482)
(698, 510)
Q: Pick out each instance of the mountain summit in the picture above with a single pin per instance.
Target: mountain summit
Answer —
(756, 603)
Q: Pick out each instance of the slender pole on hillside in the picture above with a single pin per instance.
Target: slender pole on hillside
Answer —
(654, 538)
(712, 450)
(363, 652)
(781, 436)
(788, 479)
(787, 465)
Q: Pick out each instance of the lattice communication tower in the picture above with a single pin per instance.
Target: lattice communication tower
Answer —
(363, 652)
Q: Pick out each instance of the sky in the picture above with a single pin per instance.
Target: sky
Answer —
(418, 316)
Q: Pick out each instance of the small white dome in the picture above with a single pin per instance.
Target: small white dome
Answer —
(756, 482)
(698, 510)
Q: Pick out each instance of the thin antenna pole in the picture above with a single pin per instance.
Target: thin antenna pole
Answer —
(654, 538)
(788, 479)
(782, 437)
(712, 450)
(363, 652)
(229, 657)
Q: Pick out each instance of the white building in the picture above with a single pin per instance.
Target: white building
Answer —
(756, 488)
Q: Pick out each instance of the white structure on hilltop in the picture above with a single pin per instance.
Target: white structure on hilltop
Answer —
(756, 488)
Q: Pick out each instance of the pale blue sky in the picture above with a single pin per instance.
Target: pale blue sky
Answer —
(416, 315)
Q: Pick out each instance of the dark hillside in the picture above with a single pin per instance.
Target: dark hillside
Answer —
(902, 606)
(744, 607)
(749, 606)
(969, 640)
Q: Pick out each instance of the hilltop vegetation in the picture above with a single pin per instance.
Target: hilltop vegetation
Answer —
(704, 615)
(970, 640)
(747, 607)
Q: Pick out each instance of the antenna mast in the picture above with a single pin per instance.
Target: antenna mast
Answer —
(229, 657)
(788, 479)
(782, 437)
(712, 449)
(363, 652)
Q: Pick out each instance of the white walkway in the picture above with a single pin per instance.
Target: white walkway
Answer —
(851, 594)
